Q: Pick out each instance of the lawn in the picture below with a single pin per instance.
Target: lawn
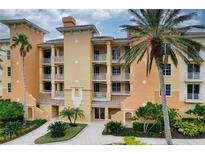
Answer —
(70, 133)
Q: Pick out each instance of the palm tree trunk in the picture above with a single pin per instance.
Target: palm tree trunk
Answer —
(25, 102)
(164, 108)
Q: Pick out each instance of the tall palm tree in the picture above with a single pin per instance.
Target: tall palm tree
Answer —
(158, 35)
(25, 46)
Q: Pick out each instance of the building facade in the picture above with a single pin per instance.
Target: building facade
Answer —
(83, 70)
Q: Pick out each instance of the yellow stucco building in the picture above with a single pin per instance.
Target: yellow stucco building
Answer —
(83, 70)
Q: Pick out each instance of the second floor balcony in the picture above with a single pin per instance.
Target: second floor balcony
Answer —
(59, 94)
(99, 95)
(121, 77)
(59, 76)
(99, 76)
(46, 76)
(194, 76)
(59, 59)
(46, 60)
(99, 57)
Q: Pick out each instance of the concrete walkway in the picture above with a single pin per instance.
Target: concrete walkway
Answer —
(92, 135)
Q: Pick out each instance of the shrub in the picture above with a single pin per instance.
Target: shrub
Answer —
(11, 111)
(189, 128)
(57, 129)
(38, 122)
(198, 111)
(131, 140)
(153, 127)
(12, 128)
(113, 127)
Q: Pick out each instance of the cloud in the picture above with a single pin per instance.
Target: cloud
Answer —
(50, 19)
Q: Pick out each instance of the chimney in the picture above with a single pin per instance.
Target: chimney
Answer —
(69, 21)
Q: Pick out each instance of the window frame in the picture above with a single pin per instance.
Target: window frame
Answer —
(117, 87)
(165, 70)
(9, 87)
(8, 55)
(166, 90)
(8, 72)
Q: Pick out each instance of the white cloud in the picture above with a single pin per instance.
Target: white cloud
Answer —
(50, 19)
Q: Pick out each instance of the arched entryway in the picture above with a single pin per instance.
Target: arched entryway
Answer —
(128, 121)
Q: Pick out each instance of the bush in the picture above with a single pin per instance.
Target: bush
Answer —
(11, 111)
(113, 127)
(198, 111)
(57, 129)
(155, 127)
(189, 128)
(12, 128)
(38, 122)
(131, 140)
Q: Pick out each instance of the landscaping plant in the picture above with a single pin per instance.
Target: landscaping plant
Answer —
(131, 140)
(198, 112)
(57, 129)
(12, 128)
(113, 127)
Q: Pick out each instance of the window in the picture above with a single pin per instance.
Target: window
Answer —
(116, 87)
(96, 69)
(8, 55)
(193, 71)
(61, 70)
(9, 87)
(167, 69)
(8, 71)
(96, 87)
(167, 48)
(116, 70)
(168, 90)
(193, 91)
(116, 54)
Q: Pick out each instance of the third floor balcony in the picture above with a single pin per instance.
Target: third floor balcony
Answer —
(121, 77)
(99, 95)
(46, 60)
(99, 76)
(99, 57)
(59, 76)
(46, 76)
(59, 59)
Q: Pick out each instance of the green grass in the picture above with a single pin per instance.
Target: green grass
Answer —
(70, 133)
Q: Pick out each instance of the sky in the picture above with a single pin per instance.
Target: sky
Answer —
(107, 21)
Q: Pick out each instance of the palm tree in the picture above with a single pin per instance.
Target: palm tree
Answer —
(68, 113)
(158, 35)
(78, 114)
(22, 41)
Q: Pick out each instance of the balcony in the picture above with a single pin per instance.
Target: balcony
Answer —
(59, 77)
(120, 92)
(46, 76)
(46, 60)
(194, 98)
(46, 90)
(99, 95)
(59, 94)
(99, 76)
(99, 57)
(121, 77)
(193, 76)
(59, 59)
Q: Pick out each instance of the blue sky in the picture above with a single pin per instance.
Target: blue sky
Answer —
(107, 21)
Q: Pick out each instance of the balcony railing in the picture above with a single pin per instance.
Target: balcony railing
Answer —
(120, 92)
(59, 76)
(59, 59)
(47, 90)
(47, 60)
(99, 95)
(99, 76)
(193, 76)
(47, 76)
(122, 76)
(194, 97)
(99, 57)
(59, 94)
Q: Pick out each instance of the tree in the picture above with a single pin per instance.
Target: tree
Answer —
(68, 113)
(157, 34)
(72, 114)
(22, 41)
(78, 114)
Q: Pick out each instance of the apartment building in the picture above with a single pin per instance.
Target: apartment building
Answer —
(83, 70)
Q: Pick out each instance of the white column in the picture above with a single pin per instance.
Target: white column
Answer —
(109, 70)
(41, 69)
(52, 72)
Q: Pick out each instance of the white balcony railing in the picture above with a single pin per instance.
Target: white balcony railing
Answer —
(47, 76)
(99, 57)
(122, 76)
(47, 60)
(59, 76)
(194, 97)
(99, 95)
(120, 92)
(59, 59)
(59, 94)
(47, 90)
(193, 76)
(99, 76)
